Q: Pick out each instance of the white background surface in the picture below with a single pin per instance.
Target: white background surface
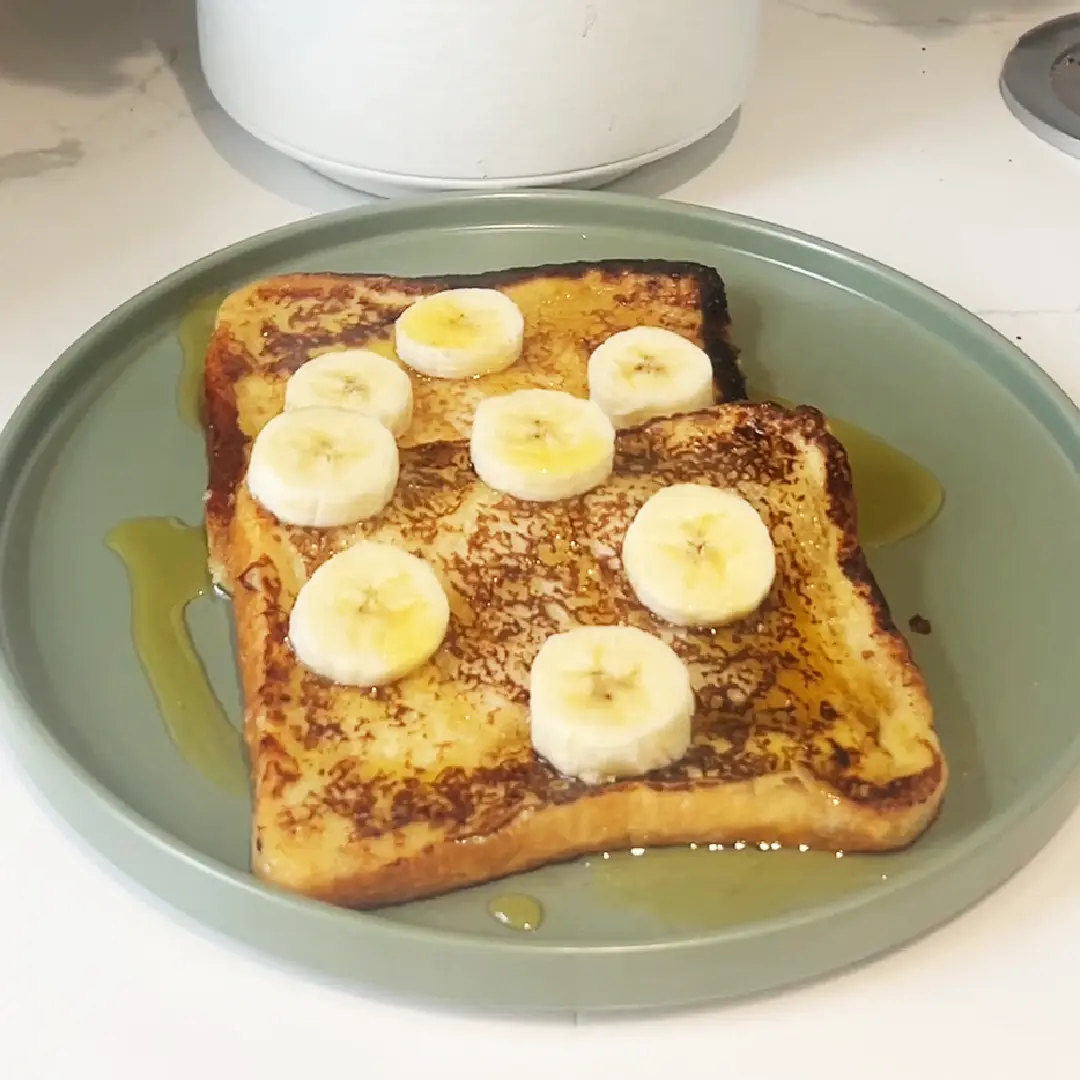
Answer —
(874, 123)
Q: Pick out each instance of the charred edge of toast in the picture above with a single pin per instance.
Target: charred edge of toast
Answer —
(224, 440)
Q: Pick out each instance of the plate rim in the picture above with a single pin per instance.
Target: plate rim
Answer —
(31, 739)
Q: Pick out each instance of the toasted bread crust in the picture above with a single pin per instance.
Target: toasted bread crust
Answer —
(814, 725)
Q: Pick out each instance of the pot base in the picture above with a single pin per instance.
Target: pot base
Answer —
(388, 185)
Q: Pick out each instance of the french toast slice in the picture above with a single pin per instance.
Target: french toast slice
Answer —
(813, 724)
(266, 330)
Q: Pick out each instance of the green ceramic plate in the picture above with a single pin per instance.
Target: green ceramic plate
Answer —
(100, 440)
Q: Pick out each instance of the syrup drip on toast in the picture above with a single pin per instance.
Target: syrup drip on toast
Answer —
(166, 562)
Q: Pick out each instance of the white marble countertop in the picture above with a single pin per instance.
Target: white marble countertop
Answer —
(874, 123)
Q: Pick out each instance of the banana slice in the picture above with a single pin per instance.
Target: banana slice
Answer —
(608, 702)
(646, 372)
(354, 379)
(369, 615)
(323, 466)
(460, 333)
(699, 556)
(541, 445)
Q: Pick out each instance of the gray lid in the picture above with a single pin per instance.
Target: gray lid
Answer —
(1041, 82)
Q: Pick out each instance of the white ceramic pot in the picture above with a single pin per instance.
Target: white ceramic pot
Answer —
(474, 94)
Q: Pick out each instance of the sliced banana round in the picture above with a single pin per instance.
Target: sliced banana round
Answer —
(608, 702)
(460, 333)
(356, 379)
(699, 556)
(369, 615)
(541, 445)
(645, 372)
(323, 466)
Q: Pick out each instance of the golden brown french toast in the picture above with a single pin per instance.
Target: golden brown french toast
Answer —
(812, 724)
(268, 329)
